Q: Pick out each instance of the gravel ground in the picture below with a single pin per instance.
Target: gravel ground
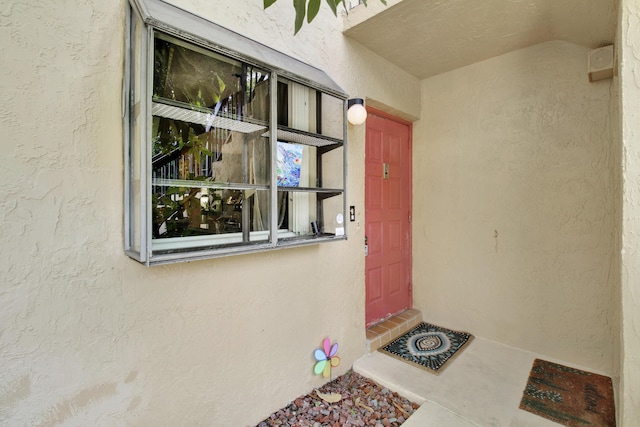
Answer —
(364, 403)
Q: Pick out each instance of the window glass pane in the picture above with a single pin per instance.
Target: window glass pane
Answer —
(185, 150)
(308, 110)
(184, 215)
(191, 75)
(188, 74)
(181, 180)
(331, 207)
(332, 116)
(136, 125)
(332, 163)
(297, 106)
(296, 211)
(210, 149)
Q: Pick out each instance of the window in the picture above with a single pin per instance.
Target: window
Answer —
(231, 147)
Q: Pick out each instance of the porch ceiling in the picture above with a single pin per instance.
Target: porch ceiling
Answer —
(429, 37)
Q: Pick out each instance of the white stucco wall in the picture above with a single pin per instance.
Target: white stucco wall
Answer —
(90, 337)
(629, 72)
(513, 206)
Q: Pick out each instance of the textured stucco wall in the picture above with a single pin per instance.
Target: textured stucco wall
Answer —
(629, 73)
(616, 151)
(90, 337)
(513, 206)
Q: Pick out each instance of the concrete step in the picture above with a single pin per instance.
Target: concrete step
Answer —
(391, 328)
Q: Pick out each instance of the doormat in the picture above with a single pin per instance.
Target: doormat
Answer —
(569, 396)
(427, 346)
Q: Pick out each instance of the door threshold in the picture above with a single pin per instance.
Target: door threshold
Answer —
(389, 329)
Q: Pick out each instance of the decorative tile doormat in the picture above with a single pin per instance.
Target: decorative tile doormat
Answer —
(427, 346)
(569, 396)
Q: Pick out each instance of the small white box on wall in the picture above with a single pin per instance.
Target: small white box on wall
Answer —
(601, 63)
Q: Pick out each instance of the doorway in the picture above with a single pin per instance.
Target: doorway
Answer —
(387, 216)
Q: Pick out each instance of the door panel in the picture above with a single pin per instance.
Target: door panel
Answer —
(388, 213)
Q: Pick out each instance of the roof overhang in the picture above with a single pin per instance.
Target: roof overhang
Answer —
(182, 24)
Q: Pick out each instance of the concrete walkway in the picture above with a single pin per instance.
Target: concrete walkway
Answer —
(482, 387)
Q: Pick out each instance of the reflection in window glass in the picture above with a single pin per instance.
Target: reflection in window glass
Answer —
(205, 173)
(197, 211)
(210, 153)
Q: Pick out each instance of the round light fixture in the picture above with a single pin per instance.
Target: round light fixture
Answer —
(356, 114)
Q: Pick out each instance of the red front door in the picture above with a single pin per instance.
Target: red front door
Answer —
(387, 217)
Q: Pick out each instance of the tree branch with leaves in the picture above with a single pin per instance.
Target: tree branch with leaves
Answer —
(310, 9)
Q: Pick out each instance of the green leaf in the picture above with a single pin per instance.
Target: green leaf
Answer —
(221, 85)
(312, 11)
(268, 3)
(384, 2)
(344, 5)
(333, 4)
(300, 7)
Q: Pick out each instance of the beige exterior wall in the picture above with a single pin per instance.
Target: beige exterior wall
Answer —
(616, 147)
(90, 337)
(629, 52)
(514, 212)
(519, 147)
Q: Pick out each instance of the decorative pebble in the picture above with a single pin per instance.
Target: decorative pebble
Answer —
(364, 404)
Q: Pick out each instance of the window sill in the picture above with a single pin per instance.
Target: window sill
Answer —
(199, 254)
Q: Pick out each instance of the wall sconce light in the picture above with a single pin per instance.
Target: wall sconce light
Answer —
(356, 114)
